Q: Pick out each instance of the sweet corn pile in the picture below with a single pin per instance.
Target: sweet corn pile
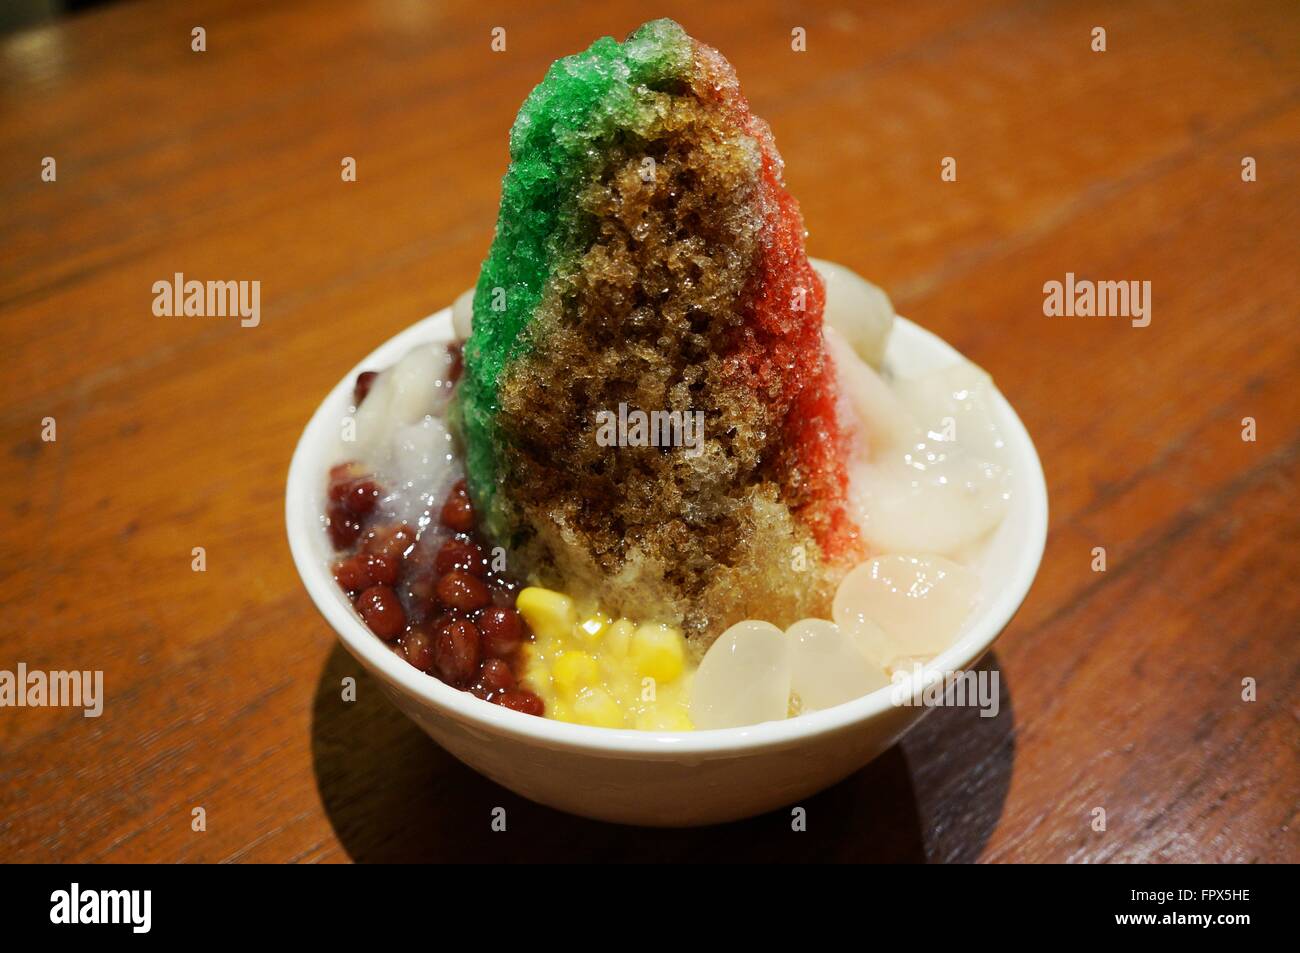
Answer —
(595, 670)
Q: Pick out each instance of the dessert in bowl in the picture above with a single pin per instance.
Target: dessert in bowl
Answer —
(646, 524)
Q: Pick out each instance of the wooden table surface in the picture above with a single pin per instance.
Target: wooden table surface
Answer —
(1121, 690)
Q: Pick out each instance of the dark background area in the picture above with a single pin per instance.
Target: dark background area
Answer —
(16, 14)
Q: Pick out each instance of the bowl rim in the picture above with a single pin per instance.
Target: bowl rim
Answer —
(305, 490)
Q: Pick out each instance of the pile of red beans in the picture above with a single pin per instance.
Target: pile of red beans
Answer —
(434, 596)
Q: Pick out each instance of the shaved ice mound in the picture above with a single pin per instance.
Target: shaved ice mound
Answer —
(648, 258)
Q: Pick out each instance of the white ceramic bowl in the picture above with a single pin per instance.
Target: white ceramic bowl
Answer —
(636, 777)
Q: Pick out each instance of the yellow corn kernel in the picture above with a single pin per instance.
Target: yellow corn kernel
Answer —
(618, 637)
(548, 613)
(536, 676)
(620, 683)
(573, 671)
(594, 706)
(558, 710)
(659, 652)
(664, 718)
(592, 627)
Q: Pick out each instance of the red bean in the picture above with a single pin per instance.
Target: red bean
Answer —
(460, 552)
(446, 619)
(361, 497)
(362, 387)
(342, 476)
(494, 677)
(383, 570)
(394, 541)
(457, 362)
(417, 647)
(456, 652)
(502, 630)
(457, 511)
(503, 592)
(344, 528)
(418, 596)
(520, 700)
(365, 570)
(351, 574)
(382, 611)
(461, 591)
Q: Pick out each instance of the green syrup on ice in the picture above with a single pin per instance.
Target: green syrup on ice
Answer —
(564, 129)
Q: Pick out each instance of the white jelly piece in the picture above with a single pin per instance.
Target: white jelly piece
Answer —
(420, 384)
(405, 393)
(826, 666)
(919, 602)
(419, 471)
(869, 639)
(927, 471)
(932, 497)
(869, 409)
(955, 404)
(462, 315)
(856, 309)
(743, 679)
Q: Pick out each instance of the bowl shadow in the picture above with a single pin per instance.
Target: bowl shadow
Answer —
(394, 796)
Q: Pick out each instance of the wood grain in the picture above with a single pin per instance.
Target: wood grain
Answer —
(1120, 690)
